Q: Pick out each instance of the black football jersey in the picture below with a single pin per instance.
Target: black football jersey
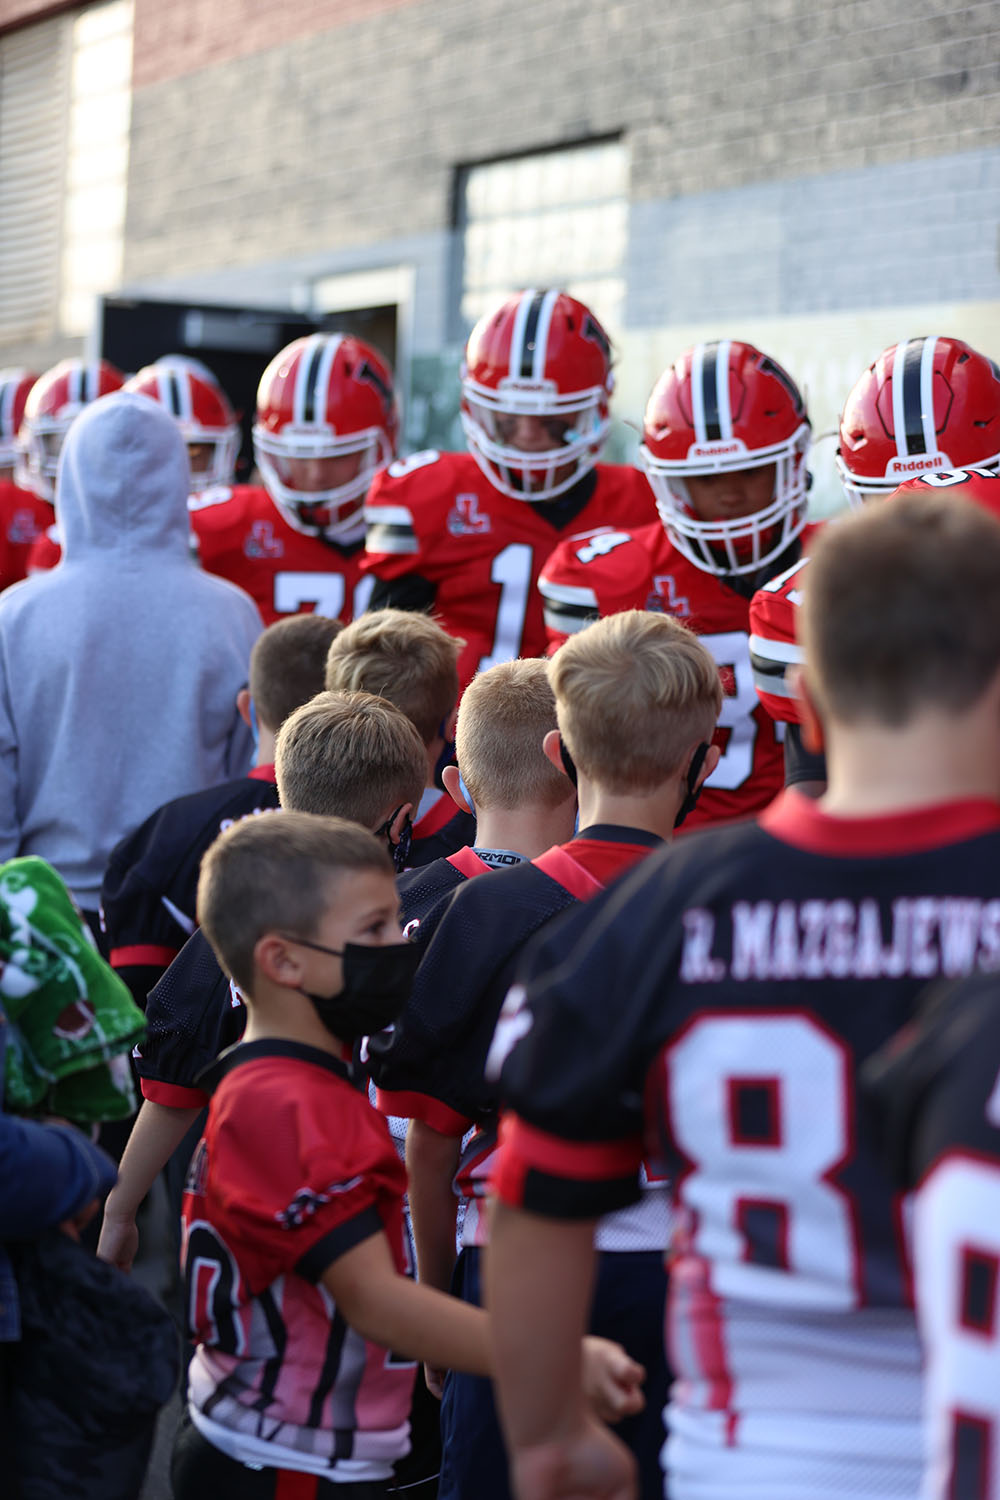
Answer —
(935, 1090)
(150, 885)
(716, 1009)
(192, 1015)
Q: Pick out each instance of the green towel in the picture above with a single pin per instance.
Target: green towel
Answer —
(72, 1022)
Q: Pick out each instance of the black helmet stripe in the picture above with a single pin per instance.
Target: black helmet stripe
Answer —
(707, 394)
(522, 360)
(309, 374)
(913, 393)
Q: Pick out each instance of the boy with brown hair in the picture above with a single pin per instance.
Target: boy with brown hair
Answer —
(149, 888)
(412, 662)
(751, 973)
(294, 1241)
(637, 698)
(344, 754)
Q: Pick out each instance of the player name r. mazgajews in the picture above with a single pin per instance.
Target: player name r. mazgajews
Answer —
(922, 936)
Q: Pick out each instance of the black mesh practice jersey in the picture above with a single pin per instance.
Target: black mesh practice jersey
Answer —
(437, 1050)
(192, 1015)
(936, 1093)
(151, 883)
(425, 892)
(716, 1008)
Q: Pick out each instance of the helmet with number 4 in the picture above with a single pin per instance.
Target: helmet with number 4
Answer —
(14, 388)
(726, 408)
(327, 422)
(536, 383)
(201, 409)
(53, 401)
(925, 405)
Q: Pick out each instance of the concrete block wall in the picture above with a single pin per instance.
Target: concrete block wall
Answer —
(323, 135)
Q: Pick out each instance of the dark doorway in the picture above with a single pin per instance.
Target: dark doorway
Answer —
(236, 343)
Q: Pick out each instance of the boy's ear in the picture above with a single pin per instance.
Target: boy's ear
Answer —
(243, 706)
(276, 959)
(712, 757)
(812, 724)
(399, 821)
(552, 750)
(452, 778)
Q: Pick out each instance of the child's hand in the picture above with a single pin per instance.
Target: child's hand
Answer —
(612, 1380)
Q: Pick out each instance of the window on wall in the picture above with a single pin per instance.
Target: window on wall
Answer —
(65, 103)
(553, 218)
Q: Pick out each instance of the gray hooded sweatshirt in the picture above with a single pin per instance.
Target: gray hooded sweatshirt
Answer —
(119, 669)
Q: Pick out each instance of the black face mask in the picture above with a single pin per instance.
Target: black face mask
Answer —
(398, 853)
(693, 791)
(377, 984)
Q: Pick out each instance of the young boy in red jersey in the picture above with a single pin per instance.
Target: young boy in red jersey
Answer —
(294, 1247)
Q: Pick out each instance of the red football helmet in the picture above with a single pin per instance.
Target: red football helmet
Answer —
(982, 486)
(53, 401)
(327, 422)
(536, 382)
(201, 409)
(14, 388)
(924, 405)
(721, 408)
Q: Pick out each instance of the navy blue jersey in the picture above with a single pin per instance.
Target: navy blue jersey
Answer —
(936, 1091)
(151, 883)
(715, 1009)
(192, 1015)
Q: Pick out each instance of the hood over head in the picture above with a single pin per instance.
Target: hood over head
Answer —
(123, 479)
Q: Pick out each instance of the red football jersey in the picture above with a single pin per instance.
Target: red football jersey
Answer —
(241, 535)
(295, 1169)
(774, 645)
(605, 572)
(23, 519)
(436, 514)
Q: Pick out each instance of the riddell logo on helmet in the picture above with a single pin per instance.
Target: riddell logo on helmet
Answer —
(713, 450)
(917, 465)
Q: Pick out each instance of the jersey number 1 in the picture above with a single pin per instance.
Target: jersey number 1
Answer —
(512, 571)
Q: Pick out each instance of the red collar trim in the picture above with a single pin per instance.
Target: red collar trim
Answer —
(798, 820)
(262, 773)
(467, 862)
(438, 816)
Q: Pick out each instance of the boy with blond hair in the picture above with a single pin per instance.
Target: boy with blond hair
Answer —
(293, 1231)
(637, 697)
(521, 802)
(410, 661)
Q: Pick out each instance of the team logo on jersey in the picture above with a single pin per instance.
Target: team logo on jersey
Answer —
(466, 519)
(307, 1201)
(262, 541)
(665, 600)
(23, 528)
